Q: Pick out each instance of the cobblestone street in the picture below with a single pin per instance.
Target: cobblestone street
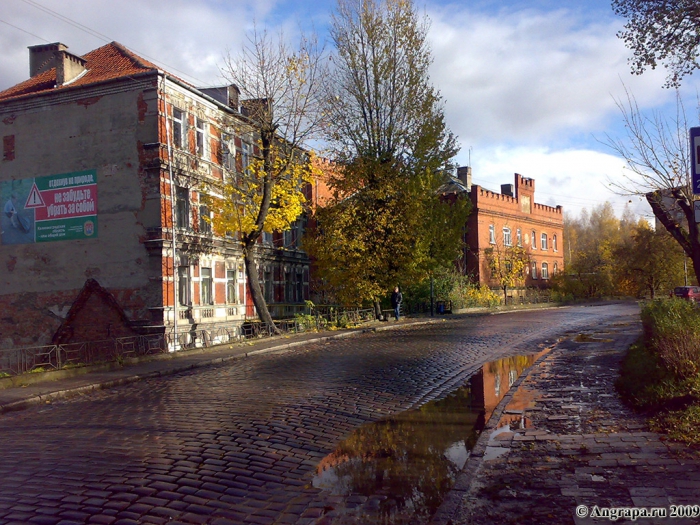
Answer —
(239, 442)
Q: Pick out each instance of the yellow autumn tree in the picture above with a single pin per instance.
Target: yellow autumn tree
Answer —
(507, 265)
(280, 87)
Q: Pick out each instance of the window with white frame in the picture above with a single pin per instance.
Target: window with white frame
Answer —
(179, 128)
(534, 270)
(534, 240)
(555, 269)
(183, 280)
(231, 287)
(543, 241)
(202, 138)
(545, 271)
(246, 154)
(507, 241)
(519, 236)
(228, 152)
(492, 234)
(207, 286)
(554, 243)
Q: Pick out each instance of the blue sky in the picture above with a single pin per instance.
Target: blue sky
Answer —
(529, 86)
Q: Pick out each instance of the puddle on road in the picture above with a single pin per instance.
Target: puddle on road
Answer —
(406, 464)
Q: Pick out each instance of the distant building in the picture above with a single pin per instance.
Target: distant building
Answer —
(511, 218)
(105, 157)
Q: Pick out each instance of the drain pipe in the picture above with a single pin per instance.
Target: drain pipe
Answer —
(168, 139)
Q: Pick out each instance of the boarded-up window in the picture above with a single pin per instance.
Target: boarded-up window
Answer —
(8, 147)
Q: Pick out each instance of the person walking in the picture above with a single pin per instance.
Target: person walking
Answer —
(396, 299)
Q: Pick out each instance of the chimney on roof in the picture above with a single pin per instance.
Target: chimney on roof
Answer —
(48, 56)
(228, 95)
(464, 174)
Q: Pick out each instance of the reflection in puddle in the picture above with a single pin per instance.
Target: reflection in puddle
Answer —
(410, 461)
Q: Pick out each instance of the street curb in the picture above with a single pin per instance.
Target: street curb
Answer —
(282, 348)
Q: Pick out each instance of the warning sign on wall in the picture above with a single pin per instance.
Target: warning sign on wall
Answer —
(52, 208)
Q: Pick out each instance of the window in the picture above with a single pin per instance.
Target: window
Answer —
(519, 236)
(246, 151)
(534, 240)
(554, 243)
(228, 152)
(300, 287)
(555, 269)
(182, 207)
(543, 242)
(179, 128)
(506, 237)
(231, 287)
(289, 287)
(267, 279)
(204, 214)
(201, 132)
(534, 270)
(545, 271)
(207, 287)
(183, 277)
(492, 234)
(267, 238)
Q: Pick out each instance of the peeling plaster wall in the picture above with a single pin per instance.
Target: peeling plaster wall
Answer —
(102, 128)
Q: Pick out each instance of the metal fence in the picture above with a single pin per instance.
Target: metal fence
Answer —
(17, 361)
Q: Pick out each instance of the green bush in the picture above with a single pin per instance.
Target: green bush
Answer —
(672, 332)
(451, 286)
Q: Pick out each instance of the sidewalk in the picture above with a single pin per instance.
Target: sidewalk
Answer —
(562, 448)
(45, 386)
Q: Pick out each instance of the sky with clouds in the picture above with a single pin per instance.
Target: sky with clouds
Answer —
(529, 86)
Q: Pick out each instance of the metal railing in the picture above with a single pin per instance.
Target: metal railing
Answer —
(17, 361)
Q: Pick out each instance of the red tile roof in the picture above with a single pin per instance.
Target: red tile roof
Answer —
(108, 62)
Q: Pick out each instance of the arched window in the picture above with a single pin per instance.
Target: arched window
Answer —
(554, 243)
(544, 241)
(555, 269)
(492, 234)
(534, 269)
(507, 241)
(545, 271)
(519, 236)
(534, 240)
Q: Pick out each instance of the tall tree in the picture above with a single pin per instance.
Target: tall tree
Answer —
(651, 261)
(388, 136)
(281, 87)
(656, 150)
(661, 31)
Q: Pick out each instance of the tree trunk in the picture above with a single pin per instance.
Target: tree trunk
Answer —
(251, 270)
(378, 309)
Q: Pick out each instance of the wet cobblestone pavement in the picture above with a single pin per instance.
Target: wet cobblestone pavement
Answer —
(563, 443)
(240, 442)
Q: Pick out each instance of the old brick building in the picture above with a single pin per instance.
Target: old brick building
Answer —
(104, 159)
(512, 218)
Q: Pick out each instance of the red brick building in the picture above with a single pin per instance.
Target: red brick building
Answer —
(105, 157)
(513, 218)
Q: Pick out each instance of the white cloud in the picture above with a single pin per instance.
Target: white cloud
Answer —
(572, 178)
(182, 36)
(529, 76)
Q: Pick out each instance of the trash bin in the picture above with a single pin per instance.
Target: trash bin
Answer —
(441, 307)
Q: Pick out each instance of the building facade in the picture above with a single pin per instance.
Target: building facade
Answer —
(512, 218)
(105, 160)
